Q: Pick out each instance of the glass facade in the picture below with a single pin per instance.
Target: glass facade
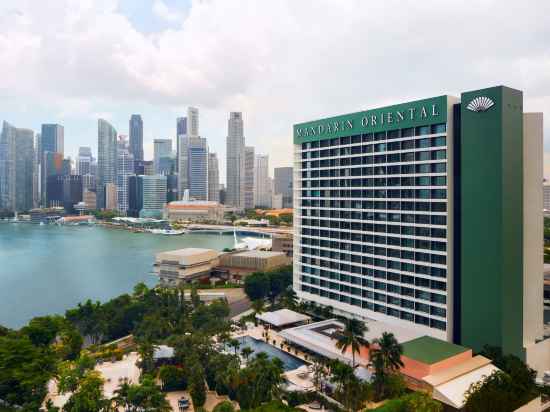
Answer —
(372, 221)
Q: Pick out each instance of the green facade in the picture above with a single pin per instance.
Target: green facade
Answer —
(491, 229)
(412, 114)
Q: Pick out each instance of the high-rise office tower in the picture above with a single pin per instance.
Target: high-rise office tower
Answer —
(36, 172)
(136, 136)
(282, 184)
(153, 189)
(16, 168)
(125, 169)
(235, 160)
(84, 161)
(52, 139)
(198, 168)
(181, 130)
(263, 183)
(162, 151)
(213, 178)
(193, 122)
(52, 165)
(183, 164)
(106, 160)
(427, 215)
(249, 178)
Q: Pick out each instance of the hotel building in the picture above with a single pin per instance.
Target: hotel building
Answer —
(427, 215)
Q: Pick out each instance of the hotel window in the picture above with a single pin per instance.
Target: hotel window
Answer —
(439, 128)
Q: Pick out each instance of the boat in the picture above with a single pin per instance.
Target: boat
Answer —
(167, 232)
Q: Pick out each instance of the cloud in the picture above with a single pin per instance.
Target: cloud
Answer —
(279, 62)
(161, 10)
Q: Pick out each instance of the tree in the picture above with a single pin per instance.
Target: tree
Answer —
(224, 406)
(24, 371)
(70, 373)
(352, 337)
(143, 397)
(172, 378)
(420, 401)
(258, 306)
(197, 388)
(146, 351)
(386, 359)
(235, 344)
(257, 285)
(88, 319)
(350, 390)
(289, 298)
(43, 330)
(259, 381)
(89, 395)
(497, 392)
(246, 352)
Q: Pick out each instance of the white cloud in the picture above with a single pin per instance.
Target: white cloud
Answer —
(279, 62)
(161, 10)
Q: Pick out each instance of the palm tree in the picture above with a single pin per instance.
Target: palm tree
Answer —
(386, 353)
(352, 337)
(246, 352)
(258, 306)
(235, 344)
(289, 298)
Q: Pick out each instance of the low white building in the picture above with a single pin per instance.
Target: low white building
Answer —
(185, 265)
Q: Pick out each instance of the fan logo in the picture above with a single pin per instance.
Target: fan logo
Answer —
(480, 104)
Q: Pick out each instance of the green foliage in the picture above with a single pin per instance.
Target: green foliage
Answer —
(145, 396)
(261, 285)
(497, 392)
(24, 370)
(70, 374)
(274, 406)
(172, 378)
(43, 330)
(197, 387)
(259, 381)
(412, 402)
(350, 390)
(224, 406)
(386, 358)
(352, 337)
(89, 395)
(105, 214)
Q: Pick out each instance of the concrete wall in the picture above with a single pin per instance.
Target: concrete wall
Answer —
(533, 243)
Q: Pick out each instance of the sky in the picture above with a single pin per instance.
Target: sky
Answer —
(280, 62)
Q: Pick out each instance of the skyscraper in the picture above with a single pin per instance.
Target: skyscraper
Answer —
(193, 122)
(84, 161)
(198, 168)
(213, 178)
(235, 160)
(263, 183)
(106, 159)
(187, 128)
(153, 189)
(16, 168)
(162, 149)
(136, 136)
(52, 139)
(125, 168)
(249, 178)
(282, 184)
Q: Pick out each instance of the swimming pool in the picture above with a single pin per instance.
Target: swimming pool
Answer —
(290, 362)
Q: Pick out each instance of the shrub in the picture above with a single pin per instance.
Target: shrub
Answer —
(224, 406)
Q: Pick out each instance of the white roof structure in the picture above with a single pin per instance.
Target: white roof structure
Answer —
(450, 385)
(163, 352)
(310, 336)
(282, 317)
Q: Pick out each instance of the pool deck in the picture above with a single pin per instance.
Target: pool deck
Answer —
(300, 376)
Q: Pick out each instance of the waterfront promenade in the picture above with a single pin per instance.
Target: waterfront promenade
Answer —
(229, 229)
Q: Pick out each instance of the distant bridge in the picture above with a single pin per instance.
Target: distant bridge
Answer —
(241, 230)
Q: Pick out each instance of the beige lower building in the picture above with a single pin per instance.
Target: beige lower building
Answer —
(255, 260)
(111, 199)
(185, 265)
(283, 243)
(191, 210)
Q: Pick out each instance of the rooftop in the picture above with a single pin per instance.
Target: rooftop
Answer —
(282, 317)
(431, 350)
(188, 256)
(192, 204)
(259, 254)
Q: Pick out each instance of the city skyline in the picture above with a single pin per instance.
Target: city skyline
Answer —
(161, 66)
